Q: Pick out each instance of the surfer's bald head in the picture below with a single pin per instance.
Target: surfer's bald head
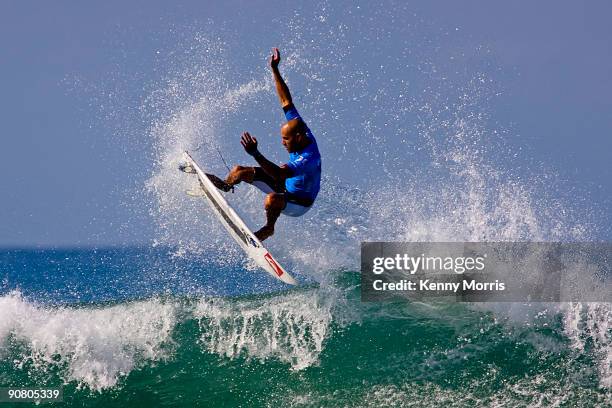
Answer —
(294, 127)
(293, 134)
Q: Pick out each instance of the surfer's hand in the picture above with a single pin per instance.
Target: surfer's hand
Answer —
(249, 143)
(275, 58)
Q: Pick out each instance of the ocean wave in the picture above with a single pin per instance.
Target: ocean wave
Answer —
(290, 328)
(94, 347)
(97, 346)
(339, 351)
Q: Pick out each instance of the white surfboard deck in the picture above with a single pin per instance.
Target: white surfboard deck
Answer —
(237, 228)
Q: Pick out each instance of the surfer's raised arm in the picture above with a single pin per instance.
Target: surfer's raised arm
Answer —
(281, 87)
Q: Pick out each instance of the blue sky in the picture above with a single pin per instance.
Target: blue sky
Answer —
(74, 75)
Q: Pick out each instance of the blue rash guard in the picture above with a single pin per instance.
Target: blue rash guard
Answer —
(305, 164)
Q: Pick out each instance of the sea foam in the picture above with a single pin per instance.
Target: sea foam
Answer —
(93, 346)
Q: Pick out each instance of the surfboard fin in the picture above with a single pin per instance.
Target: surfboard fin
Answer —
(195, 193)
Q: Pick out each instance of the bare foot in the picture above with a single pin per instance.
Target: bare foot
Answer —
(220, 184)
(265, 232)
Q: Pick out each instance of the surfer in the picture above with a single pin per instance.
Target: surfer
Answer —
(292, 187)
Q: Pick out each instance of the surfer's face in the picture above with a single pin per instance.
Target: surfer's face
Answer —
(290, 137)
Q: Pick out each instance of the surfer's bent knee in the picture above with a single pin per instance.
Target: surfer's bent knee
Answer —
(274, 201)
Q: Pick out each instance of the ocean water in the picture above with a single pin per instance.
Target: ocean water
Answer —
(114, 328)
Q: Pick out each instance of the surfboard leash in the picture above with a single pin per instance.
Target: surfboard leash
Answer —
(225, 163)
(222, 159)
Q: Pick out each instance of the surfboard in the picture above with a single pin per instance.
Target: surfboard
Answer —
(236, 227)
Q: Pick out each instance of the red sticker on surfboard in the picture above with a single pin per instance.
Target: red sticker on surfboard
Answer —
(273, 264)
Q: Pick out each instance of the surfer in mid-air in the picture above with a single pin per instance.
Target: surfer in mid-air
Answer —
(292, 187)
